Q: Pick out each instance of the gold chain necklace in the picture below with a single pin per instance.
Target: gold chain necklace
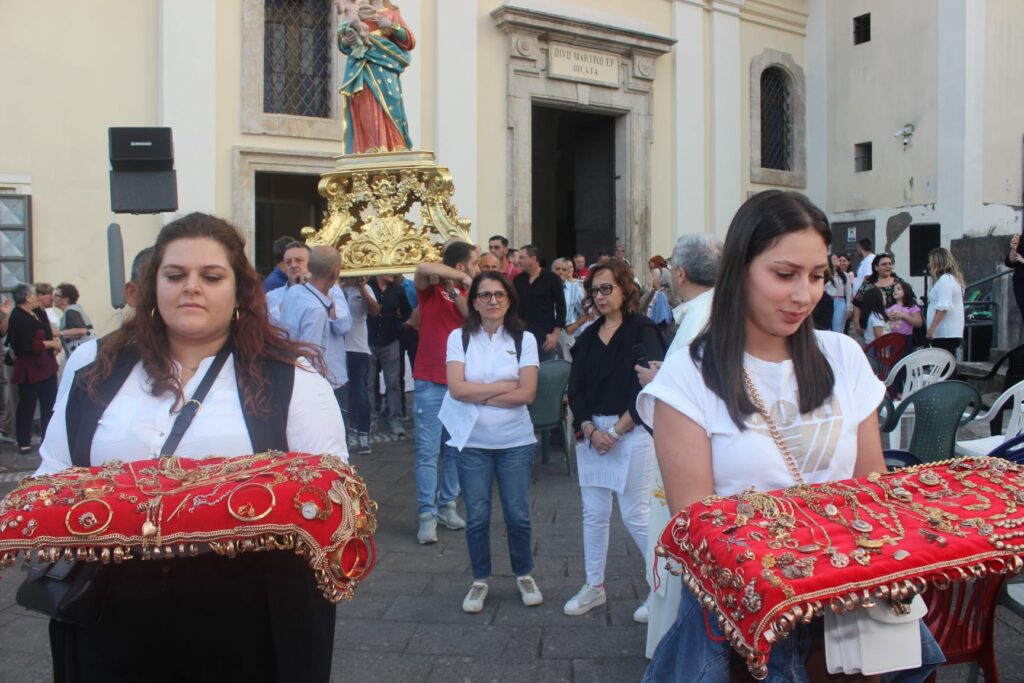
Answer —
(787, 456)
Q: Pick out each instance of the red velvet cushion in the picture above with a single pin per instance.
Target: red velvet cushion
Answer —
(314, 505)
(925, 527)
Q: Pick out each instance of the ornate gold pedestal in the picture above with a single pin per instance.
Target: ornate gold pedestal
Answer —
(372, 215)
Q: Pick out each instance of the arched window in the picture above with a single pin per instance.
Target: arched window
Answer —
(778, 123)
(776, 120)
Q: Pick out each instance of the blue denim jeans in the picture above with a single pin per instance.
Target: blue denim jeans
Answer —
(512, 467)
(430, 448)
(357, 398)
(687, 655)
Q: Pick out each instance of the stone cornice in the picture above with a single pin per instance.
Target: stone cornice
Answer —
(563, 29)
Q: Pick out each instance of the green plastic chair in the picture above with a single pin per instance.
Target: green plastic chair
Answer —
(940, 410)
(548, 410)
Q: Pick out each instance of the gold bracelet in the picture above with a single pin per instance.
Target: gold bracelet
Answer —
(247, 513)
(88, 520)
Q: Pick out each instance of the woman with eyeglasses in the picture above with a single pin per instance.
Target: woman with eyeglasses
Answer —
(492, 375)
(615, 454)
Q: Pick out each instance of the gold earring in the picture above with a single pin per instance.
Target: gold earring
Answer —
(152, 313)
(237, 315)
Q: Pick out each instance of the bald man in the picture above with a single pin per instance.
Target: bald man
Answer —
(489, 262)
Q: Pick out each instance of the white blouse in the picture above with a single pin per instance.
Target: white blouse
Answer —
(135, 425)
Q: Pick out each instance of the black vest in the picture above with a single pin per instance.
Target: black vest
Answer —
(83, 413)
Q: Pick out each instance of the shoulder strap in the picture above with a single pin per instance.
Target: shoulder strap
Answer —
(192, 406)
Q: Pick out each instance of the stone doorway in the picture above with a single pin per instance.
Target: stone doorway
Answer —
(285, 203)
(574, 184)
(596, 69)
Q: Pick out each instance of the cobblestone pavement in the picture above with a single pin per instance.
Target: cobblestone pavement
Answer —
(406, 623)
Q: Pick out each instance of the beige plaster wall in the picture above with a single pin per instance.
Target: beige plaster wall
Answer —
(779, 25)
(69, 71)
(1004, 102)
(875, 88)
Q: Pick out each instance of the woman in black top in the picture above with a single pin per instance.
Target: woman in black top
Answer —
(615, 454)
(30, 338)
(1015, 260)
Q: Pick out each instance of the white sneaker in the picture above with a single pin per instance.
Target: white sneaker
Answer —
(398, 430)
(642, 613)
(428, 529)
(587, 599)
(447, 515)
(529, 591)
(364, 443)
(474, 601)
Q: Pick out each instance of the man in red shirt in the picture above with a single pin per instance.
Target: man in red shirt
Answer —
(441, 288)
(498, 246)
(580, 271)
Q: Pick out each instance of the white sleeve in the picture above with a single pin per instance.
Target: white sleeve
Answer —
(528, 355)
(455, 353)
(680, 385)
(315, 424)
(79, 358)
(55, 451)
(942, 293)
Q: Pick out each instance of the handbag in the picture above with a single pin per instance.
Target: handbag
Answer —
(875, 639)
(74, 592)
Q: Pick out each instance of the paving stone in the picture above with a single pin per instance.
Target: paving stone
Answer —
(437, 610)
(507, 641)
(549, 614)
(20, 666)
(429, 564)
(374, 635)
(621, 611)
(369, 667)
(496, 670)
(364, 606)
(603, 670)
(390, 584)
(25, 634)
(407, 543)
(611, 641)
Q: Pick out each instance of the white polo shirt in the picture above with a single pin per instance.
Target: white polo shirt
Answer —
(492, 358)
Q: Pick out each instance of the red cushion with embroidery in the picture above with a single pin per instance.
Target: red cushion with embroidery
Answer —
(314, 505)
(763, 561)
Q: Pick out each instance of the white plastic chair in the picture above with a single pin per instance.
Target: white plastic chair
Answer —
(1014, 426)
(923, 368)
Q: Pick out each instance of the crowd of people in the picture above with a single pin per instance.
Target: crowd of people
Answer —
(304, 349)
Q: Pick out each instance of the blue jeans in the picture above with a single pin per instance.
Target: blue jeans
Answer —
(430, 447)
(838, 314)
(358, 398)
(512, 467)
(687, 655)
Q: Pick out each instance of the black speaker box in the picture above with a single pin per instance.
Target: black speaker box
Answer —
(141, 149)
(143, 191)
(923, 238)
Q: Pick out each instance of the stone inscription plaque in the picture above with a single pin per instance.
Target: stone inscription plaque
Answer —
(573, 63)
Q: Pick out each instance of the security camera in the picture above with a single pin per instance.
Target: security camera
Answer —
(905, 131)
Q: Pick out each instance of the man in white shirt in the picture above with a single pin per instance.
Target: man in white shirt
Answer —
(695, 259)
(867, 257)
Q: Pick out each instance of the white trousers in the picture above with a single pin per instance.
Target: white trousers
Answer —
(634, 507)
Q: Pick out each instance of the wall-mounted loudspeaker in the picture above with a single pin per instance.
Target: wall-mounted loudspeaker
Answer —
(142, 177)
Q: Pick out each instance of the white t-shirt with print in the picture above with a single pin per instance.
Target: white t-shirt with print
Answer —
(823, 442)
(875, 320)
(492, 358)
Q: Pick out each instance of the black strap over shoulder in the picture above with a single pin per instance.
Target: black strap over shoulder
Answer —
(192, 406)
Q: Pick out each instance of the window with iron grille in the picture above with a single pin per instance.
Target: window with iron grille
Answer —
(297, 58)
(861, 29)
(776, 120)
(862, 157)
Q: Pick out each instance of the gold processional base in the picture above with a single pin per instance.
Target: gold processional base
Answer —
(372, 212)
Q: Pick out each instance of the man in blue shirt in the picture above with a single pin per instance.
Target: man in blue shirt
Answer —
(278, 277)
(312, 313)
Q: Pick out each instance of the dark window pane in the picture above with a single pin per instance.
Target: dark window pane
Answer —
(861, 29)
(862, 157)
(297, 57)
(776, 120)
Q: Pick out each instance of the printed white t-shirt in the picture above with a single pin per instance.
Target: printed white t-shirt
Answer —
(823, 442)
(492, 358)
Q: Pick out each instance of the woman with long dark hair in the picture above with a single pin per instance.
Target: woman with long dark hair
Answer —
(882, 277)
(873, 318)
(840, 288)
(904, 313)
(255, 617)
(760, 367)
(614, 455)
(492, 372)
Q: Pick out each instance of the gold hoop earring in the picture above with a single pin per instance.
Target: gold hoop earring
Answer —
(152, 313)
(237, 315)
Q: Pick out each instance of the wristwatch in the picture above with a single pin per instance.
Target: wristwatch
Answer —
(612, 432)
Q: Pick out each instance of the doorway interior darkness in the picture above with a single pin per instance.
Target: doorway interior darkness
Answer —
(573, 183)
(285, 203)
